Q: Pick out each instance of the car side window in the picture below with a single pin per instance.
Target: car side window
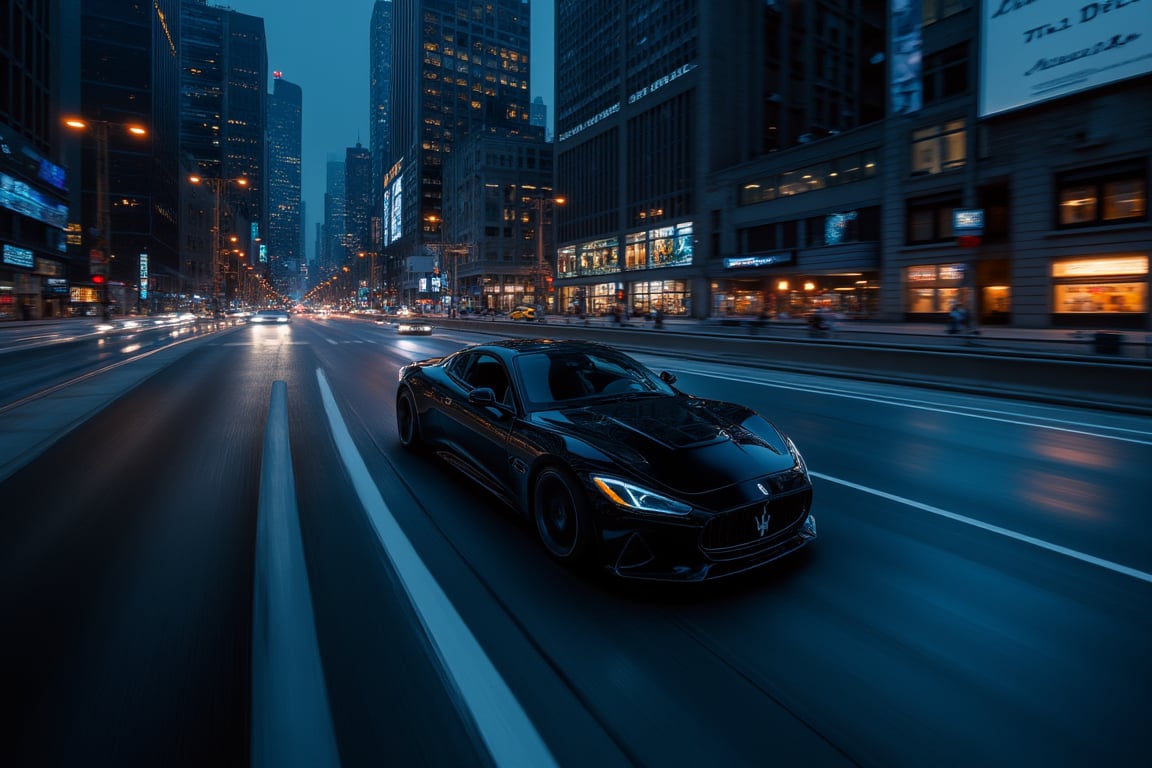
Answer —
(486, 371)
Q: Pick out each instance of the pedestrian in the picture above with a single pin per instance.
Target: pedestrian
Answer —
(957, 318)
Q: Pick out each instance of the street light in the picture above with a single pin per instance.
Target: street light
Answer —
(216, 183)
(542, 267)
(99, 258)
(435, 219)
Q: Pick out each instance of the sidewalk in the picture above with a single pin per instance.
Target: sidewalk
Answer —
(1083, 341)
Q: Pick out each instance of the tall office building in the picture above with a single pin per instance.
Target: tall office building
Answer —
(538, 114)
(457, 67)
(127, 71)
(331, 255)
(380, 97)
(284, 233)
(223, 103)
(34, 213)
(357, 200)
(653, 98)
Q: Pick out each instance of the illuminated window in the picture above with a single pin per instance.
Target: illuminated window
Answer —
(938, 148)
(1098, 197)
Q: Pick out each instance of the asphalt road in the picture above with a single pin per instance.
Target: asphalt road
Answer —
(978, 595)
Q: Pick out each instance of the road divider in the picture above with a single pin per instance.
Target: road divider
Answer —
(482, 694)
(291, 718)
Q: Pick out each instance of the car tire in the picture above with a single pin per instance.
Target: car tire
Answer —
(561, 514)
(408, 421)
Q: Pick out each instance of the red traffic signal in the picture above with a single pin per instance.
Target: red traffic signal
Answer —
(98, 279)
(619, 295)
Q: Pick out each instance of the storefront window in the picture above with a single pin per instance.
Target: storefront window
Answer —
(1108, 284)
(636, 251)
(933, 288)
(599, 258)
(566, 265)
(1104, 297)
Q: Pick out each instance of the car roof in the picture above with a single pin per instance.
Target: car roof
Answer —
(512, 347)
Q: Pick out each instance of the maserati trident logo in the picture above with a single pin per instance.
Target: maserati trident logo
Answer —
(762, 522)
(763, 490)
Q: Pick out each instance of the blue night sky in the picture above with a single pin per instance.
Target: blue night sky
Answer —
(326, 54)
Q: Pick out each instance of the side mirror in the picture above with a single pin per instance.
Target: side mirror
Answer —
(482, 396)
(668, 377)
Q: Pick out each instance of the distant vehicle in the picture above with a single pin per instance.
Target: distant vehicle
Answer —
(270, 317)
(613, 465)
(413, 327)
(523, 312)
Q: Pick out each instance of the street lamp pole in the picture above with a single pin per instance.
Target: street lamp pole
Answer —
(101, 265)
(542, 266)
(217, 278)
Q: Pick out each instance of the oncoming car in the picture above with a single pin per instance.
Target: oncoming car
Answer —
(270, 316)
(413, 327)
(614, 466)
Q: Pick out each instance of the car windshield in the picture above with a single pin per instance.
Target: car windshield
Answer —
(561, 375)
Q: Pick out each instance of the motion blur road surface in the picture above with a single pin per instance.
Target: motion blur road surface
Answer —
(979, 593)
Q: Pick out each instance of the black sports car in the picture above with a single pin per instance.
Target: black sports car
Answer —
(613, 464)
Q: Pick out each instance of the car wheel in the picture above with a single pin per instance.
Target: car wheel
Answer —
(408, 421)
(560, 511)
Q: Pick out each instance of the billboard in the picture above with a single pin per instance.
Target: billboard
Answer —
(905, 86)
(1032, 52)
(397, 226)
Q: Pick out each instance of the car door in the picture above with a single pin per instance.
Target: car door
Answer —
(480, 432)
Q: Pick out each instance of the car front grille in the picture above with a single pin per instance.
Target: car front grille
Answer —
(757, 526)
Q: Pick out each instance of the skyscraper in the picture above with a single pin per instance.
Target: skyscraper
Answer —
(127, 77)
(380, 77)
(284, 235)
(358, 211)
(34, 213)
(456, 67)
(223, 103)
(654, 99)
(331, 255)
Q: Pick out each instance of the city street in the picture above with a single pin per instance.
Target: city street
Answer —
(975, 555)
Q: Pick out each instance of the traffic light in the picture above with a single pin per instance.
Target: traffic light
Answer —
(98, 279)
(619, 294)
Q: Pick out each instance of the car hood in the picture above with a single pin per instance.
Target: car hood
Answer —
(684, 444)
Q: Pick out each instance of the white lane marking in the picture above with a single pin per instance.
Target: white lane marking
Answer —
(1086, 558)
(507, 731)
(988, 415)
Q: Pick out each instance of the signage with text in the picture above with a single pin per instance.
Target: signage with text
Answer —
(1033, 51)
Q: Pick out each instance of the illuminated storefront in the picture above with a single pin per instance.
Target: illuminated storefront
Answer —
(932, 289)
(1105, 288)
(645, 253)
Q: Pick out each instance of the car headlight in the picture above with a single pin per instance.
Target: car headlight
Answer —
(639, 499)
(796, 455)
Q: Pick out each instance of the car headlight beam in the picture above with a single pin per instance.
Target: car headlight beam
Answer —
(640, 499)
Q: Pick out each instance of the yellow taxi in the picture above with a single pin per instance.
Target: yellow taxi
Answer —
(523, 312)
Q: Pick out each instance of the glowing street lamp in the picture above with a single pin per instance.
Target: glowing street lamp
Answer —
(100, 256)
(543, 270)
(217, 184)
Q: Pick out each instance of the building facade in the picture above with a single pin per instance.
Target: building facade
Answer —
(380, 97)
(498, 233)
(858, 162)
(223, 112)
(34, 182)
(284, 241)
(457, 67)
